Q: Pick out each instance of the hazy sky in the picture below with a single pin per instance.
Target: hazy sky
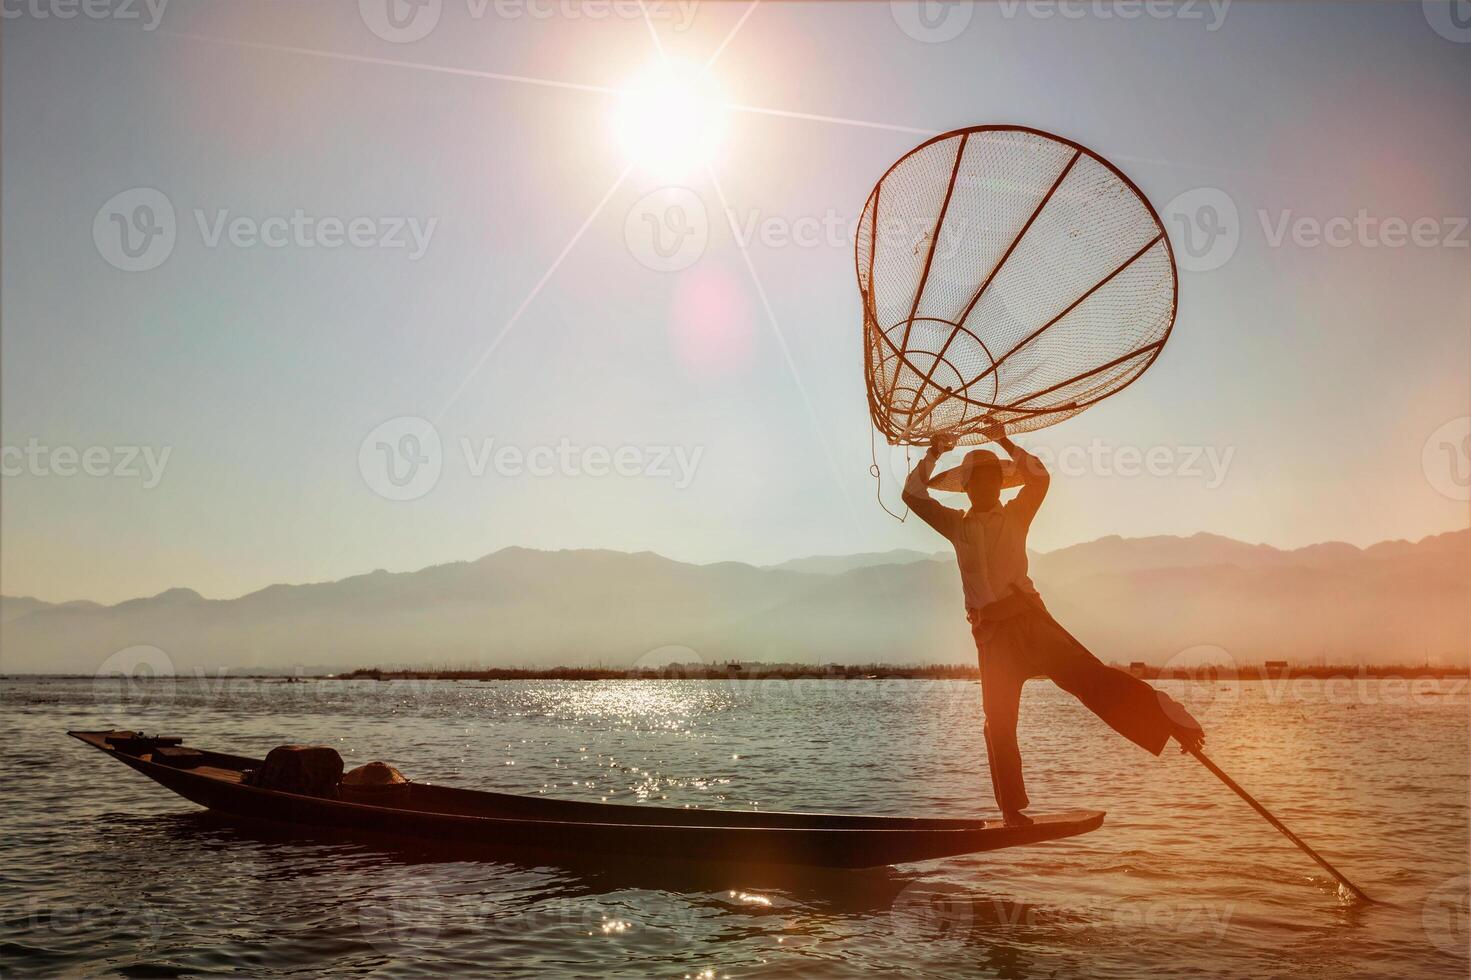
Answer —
(1312, 390)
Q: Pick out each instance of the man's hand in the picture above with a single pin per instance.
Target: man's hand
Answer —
(997, 434)
(917, 490)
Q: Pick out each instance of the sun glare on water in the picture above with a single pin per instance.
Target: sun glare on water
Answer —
(670, 120)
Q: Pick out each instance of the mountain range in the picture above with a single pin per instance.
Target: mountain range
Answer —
(1129, 599)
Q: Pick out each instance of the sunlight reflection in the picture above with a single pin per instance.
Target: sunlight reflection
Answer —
(749, 898)
(648, 705)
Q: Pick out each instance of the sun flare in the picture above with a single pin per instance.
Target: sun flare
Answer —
(670, 120)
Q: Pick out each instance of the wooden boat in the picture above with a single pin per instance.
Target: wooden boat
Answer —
(475, 821)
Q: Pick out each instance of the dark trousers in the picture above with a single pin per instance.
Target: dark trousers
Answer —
(1031, 644)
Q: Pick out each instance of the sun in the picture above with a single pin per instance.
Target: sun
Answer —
(670, 120)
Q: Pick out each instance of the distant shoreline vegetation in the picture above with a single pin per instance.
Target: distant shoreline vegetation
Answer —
(1271, 670)
(755, 671)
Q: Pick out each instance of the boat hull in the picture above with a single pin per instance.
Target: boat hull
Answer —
(476, 821)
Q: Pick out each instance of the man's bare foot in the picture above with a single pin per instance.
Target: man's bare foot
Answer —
(1015, 818)
(1191, 738)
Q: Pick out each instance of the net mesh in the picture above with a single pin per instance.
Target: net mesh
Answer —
(1008, 277)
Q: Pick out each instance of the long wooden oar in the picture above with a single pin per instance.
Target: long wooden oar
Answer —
(1235, 787)
(1216, 771)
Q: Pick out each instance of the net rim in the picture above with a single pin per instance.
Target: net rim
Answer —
(870, 314)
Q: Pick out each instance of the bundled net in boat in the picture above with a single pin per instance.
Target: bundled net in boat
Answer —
(1009, 277)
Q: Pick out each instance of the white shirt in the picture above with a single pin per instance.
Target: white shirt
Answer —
(990, 545)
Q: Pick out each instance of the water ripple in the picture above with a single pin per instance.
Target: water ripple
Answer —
(103, 873)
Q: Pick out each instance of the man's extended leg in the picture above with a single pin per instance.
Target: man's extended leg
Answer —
(1130, 706)
(1002, 677)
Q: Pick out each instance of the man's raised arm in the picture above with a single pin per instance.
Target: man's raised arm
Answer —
(1035, 479)
(917, 493)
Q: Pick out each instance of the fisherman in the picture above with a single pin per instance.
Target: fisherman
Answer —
(1016, 638)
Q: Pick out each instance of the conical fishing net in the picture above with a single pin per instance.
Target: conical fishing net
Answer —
(1008, 277)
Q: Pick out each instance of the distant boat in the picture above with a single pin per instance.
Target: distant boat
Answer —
(473, 821)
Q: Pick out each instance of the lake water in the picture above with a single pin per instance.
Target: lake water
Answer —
(102, 872)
